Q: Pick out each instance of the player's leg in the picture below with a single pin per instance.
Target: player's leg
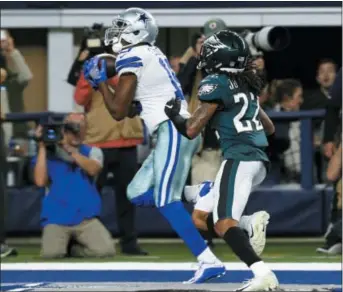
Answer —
(173, 155)
(256, 224)
(232, 190)
(202, 196)
(203, 207)
(140, 191)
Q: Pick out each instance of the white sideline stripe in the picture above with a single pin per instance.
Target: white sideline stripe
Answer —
(137, 266)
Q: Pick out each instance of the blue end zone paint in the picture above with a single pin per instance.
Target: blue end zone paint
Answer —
(285, 277)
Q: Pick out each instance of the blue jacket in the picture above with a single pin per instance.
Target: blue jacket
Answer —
(72, 195)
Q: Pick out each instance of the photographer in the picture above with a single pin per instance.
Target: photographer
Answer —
(91, 45)
(5, 250)
(18, 77)
(72, 205)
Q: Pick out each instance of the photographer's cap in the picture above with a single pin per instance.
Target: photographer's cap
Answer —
(214, 25)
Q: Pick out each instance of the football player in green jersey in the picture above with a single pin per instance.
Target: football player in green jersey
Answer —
(229, 101)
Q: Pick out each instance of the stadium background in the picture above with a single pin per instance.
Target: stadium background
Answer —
(48, 34)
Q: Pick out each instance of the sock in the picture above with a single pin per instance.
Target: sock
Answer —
(193, 192)
(207, 256)
(244, 223)
(240, 245)
(210, 225)
(259, 269)
(181, 221)
(145, 199)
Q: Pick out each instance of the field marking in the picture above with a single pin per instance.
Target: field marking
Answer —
(140, 266)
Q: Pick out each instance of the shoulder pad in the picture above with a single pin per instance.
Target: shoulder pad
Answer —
(210, 88)
(129, 61)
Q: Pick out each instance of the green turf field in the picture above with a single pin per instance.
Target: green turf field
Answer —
(177, 252)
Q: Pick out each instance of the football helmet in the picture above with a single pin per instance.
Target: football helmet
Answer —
(224, 51)
(131, 27)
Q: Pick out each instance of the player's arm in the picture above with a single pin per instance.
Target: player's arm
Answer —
(197, 122)
(334, 170)
(118, 103)
(266, 122)
(190, 128)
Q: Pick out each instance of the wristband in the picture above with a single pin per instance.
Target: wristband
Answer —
(180, 124)
(271, 137)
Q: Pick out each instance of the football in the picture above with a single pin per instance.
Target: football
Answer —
(110, 64)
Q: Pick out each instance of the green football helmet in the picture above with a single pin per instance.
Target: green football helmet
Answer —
(224, 51)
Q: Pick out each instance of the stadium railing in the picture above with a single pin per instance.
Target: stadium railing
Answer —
(306, 119)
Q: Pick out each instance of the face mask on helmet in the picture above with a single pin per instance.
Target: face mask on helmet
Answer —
(205, 58)
(123, 35)
(115, 35)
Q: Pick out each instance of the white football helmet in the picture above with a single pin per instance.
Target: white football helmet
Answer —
(131, 27)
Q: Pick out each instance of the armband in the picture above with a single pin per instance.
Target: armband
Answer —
(180, 124)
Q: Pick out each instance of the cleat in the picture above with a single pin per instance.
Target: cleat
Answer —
(207, 272)
(258, 229)
(334, 249)
(268, 282)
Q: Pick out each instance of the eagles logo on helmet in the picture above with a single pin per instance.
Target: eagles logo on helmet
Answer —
(224, 51)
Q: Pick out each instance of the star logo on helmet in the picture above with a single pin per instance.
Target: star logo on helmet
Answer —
(143, 17)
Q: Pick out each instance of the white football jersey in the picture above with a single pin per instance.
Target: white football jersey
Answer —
(157, 83)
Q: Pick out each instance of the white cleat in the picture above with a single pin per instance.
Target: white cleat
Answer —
(268, 282)
(332, 250)
(258, 228)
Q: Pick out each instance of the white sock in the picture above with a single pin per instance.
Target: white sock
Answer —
(207, 256)
(244, 223)
(192, 193)
(260, 269)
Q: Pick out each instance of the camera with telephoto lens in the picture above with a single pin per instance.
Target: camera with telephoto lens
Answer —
(93, 39)
(53, 132)
(269, 38)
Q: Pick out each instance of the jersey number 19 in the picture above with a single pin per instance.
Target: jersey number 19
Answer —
(246, 125)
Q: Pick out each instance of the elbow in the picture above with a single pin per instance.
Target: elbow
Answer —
(271, 129)
(191, 133)
(93, 169)
(117, 115)
(80, 101)
(93, 172)
(82, 98)
(40, 182)
(331, 175)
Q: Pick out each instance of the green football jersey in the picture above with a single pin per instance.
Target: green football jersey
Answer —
(236, 121)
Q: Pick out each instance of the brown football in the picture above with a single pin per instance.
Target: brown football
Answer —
(110, 64)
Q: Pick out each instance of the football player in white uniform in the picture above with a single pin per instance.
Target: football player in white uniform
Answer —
(145, 76)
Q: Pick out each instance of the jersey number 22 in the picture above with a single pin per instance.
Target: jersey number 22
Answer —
(247, 125)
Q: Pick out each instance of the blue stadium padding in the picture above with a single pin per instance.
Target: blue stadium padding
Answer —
(285, 277)
(274, 115)
(292, 211)
(307, 157)
(34, 116)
